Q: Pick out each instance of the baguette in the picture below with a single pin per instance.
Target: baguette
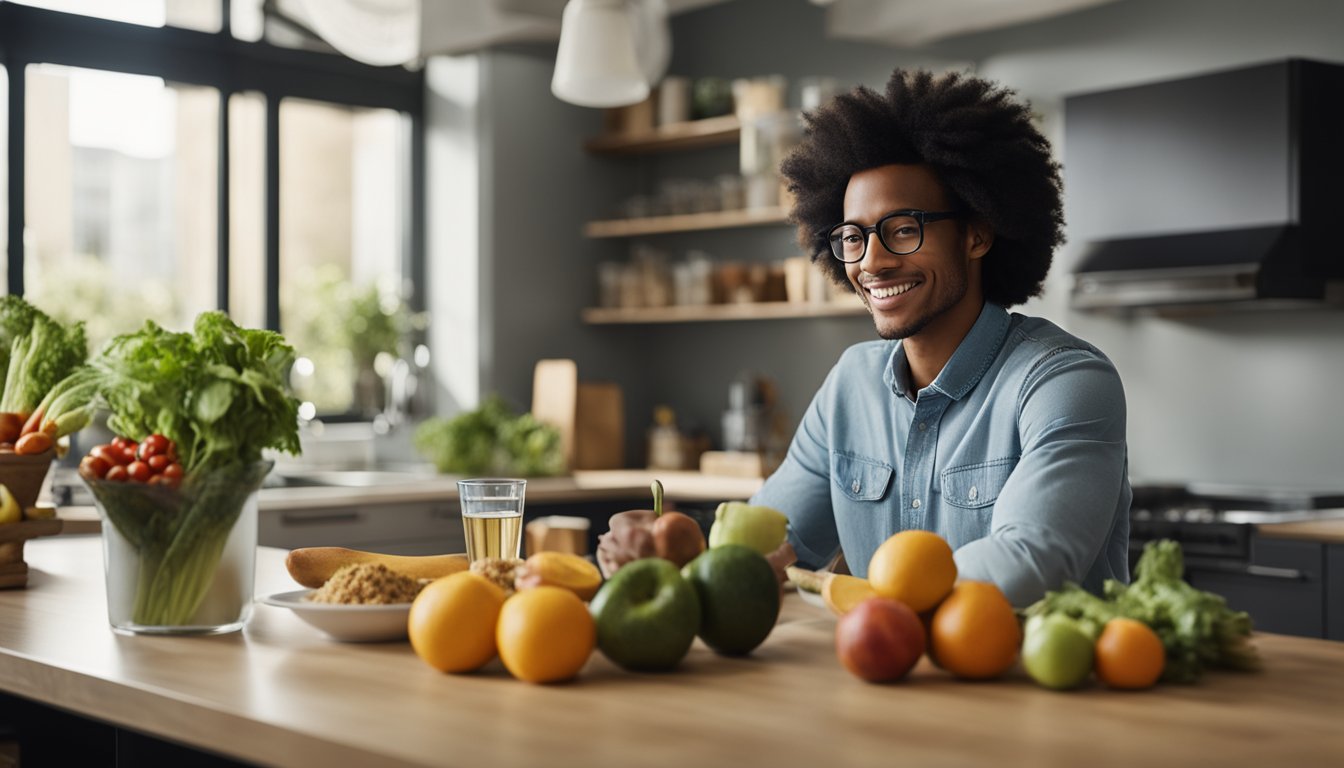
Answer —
(312, 566)
(808, 581)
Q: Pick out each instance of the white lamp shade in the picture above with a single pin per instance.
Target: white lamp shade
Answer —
(596, 64)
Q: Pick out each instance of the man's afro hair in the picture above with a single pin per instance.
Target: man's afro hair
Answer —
(978, 140)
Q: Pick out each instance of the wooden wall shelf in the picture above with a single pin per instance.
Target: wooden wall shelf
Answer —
(695, 134)
(689, 222)
(774, 310)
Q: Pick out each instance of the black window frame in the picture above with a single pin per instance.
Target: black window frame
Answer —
(30, 35)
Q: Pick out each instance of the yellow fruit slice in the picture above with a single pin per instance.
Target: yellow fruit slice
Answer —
(843, 593)
(560, 569)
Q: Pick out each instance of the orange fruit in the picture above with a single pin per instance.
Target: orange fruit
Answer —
(975, 633)
(843, 593)
(915, 567)
(452, 622)
(545, 634)
(560, 569)
(1129, 655)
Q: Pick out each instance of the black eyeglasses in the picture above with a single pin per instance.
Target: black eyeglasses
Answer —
(900, 232)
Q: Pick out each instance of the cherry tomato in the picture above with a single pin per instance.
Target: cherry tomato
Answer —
(116, 474)
(112, 455)
(158, 462)
(121, 442)
(153, 446)
(128, 454)
(173, 471)
(139, 471)
(94, 466)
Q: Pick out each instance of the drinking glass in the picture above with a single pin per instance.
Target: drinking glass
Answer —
(492, 516)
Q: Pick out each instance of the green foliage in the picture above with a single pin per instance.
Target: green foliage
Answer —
(219, 393)
(491, 440)
(40, 353)
(1197, 628)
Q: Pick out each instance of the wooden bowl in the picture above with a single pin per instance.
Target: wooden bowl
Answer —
(13, 570)
(24, 475)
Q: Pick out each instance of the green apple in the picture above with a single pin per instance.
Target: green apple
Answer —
(646, 615)
(737, 522)
(1056, 652)
(739, 597)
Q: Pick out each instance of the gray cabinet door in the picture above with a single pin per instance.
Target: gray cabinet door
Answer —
(1283, 589)
(1334, 591)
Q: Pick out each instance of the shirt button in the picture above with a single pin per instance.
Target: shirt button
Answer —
(915, 503)
(855, 487)
(973, 493)
(923, 425)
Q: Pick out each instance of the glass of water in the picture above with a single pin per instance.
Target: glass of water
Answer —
(492, 516)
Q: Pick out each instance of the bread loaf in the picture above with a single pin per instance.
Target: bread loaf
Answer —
(312, 566)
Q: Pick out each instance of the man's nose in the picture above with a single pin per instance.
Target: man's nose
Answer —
(875, 254)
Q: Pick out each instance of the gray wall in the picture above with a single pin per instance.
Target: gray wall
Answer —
(1234, 398)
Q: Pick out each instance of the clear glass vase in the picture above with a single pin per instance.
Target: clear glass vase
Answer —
(180, 560)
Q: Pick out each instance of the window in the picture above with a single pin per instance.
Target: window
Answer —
(120, 202)
(4, 172)
(173, 173)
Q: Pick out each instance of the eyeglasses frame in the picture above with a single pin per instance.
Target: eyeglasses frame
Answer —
(923, 217)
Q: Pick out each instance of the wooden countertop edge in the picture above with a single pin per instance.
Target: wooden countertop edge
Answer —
(170, 715)
(1325, 531)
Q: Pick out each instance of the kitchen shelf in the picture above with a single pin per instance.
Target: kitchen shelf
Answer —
(771, 310)
(688, 222)
(694, 134)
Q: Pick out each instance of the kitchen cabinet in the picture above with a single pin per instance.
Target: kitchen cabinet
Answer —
(1334, 591)
(1284, 587)
(422, 528)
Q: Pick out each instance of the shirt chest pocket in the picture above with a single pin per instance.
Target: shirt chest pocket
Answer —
(858, 478)
(975, 486)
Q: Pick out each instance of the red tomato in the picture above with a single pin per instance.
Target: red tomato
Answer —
(116, 474)
(158, 461)
(94, 466)
(153, 446)
(111, 454)
(128, 454)
(139, 471)
(173, 471)
(121, 442)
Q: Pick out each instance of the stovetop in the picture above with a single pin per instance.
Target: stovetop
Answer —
(1205, 503)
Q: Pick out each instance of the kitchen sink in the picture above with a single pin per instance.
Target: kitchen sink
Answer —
(346, 479)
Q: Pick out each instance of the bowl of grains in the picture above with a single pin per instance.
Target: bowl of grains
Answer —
(363, 603)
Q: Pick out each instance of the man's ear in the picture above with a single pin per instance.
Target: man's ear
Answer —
(979, 238)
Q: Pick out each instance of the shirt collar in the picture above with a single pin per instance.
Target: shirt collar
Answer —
(968, 363)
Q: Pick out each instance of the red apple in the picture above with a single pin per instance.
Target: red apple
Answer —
(880, 640)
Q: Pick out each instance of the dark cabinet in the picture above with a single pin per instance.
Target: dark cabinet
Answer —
(1283, 587)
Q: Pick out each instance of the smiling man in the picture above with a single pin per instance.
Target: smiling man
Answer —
(939, 204)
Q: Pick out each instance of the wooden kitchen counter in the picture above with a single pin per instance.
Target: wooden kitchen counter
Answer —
(279, 693)
(578, 487)
(1326, 531)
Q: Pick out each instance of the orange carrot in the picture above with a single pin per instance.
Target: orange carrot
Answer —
(33, 443)
(34, 421)
(11, 426)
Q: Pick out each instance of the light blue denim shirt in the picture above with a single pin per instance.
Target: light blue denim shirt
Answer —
(1015, 454)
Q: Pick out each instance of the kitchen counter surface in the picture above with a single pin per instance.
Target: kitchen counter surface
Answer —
(278, 693)
(1327, 531)
(581, 486)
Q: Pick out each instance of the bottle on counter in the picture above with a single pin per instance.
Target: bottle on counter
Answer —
(665, 442)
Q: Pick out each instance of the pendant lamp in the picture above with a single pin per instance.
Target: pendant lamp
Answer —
(596, 64)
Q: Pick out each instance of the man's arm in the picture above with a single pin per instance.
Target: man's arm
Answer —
(1054, 514)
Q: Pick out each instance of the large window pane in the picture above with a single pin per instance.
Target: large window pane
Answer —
(342, 209)
(120, 198)
(201, 15)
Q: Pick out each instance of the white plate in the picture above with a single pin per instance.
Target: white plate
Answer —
(350, 623)
(813, 598)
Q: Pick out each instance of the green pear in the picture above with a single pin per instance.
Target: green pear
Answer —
(737, 522)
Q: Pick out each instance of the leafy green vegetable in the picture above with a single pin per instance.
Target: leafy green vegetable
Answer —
(39, 358)
(491, 439)
(16, 319)
(220, 394)
(1196, 627)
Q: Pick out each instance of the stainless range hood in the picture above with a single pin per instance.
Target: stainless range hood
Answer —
(1216, 191)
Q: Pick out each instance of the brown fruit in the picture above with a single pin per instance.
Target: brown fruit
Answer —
(880, 640)
(630, 538)
(677, 537)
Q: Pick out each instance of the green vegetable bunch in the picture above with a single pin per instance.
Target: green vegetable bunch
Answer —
(491, 440)
(36, 354)
(1197, 628)
(219, 393)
